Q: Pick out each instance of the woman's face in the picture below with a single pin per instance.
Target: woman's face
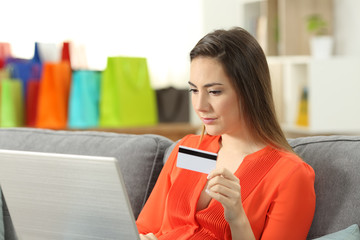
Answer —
(214, 97)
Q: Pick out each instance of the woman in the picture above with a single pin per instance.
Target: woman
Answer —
(259, 189)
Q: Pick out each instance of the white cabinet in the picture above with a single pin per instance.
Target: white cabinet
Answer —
(333, 86)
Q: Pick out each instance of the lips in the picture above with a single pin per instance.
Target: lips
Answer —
(208, 120)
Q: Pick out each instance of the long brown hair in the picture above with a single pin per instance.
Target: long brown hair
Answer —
(245, 63)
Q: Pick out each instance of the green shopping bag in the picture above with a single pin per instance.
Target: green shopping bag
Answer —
(126, 97)
(11, 103)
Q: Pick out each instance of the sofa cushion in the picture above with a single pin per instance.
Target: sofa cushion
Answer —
(336, 161)
(140, 156)
(350, 233)
(1, 222)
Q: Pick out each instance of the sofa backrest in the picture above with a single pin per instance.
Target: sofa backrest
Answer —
(140, 156)
(335, 159)
(336, 162)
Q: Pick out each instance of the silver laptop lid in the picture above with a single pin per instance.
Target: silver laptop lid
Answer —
(59, 196)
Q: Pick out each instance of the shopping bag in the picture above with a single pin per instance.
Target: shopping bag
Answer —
(4, 73)
(52, 108)
(31, 102)
(78, 56)
(49, 52)
(173, 105)
(36, 57)
(11, 103)
(25, 69)
(65, 52)
(126, 97)
(28, 71)
(84, 99)
(19, 69)
(5, 52)
(32, 89)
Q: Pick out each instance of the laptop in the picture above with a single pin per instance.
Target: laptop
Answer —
(61, 196)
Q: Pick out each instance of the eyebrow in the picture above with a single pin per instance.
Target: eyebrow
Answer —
(206, 85)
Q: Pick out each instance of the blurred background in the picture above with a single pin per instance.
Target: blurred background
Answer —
(163, 32)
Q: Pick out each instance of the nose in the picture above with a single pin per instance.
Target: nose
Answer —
(200, 102)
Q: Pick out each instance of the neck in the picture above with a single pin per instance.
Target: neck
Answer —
(243, 143)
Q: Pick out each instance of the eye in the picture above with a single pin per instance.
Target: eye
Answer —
(193, 90)
(215, 92)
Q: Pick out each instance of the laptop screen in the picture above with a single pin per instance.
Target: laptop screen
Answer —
(59, 196)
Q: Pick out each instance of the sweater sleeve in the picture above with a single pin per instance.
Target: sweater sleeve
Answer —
(292, 210)
(151, 216)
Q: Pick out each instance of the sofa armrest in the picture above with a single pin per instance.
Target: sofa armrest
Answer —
(336, 161)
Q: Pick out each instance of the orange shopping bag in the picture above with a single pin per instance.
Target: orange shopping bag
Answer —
(53, 96)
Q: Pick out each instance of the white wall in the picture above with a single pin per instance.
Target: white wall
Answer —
(161, 30)
(218, 14)
(347, 27)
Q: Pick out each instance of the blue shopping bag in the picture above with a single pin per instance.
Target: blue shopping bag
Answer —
(25, 69)
(84, 99)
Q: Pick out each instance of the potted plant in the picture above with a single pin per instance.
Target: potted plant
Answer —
(321, 42)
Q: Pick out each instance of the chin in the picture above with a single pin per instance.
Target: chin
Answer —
(213, 131)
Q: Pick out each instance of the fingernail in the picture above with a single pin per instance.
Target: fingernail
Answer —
(207, 191)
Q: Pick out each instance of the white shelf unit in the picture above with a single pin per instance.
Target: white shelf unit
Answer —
(280, 25)
(333, 93)
(255, 19)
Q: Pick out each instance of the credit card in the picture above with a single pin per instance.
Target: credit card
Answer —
(196, 160)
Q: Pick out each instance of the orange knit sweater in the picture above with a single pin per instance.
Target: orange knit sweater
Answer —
(280, 206)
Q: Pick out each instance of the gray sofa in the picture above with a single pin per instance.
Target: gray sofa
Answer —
(335, 159)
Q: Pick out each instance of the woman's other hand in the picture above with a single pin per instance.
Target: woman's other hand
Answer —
(149, 236)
